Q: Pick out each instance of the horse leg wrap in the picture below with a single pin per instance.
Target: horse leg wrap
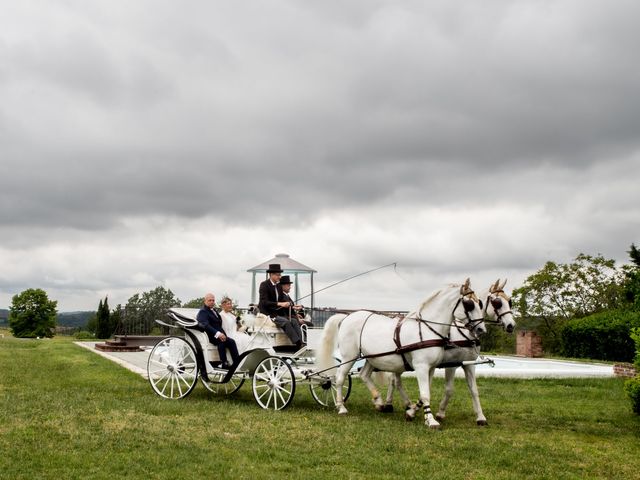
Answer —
(410, 413)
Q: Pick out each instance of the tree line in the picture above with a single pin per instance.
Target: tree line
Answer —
(549, 301)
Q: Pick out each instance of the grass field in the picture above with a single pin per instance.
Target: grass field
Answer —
(68, 413)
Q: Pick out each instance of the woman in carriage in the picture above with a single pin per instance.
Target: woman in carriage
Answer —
(230, 325)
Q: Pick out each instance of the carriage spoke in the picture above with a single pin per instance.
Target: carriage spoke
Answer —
(172, 368)
(273, 383)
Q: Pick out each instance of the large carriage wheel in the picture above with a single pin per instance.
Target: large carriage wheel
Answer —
(213, 385)
(172, 368)
(273, 384)
(325, 392)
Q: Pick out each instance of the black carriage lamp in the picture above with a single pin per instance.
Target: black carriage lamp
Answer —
(289, 267)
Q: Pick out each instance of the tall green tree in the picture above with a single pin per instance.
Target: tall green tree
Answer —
(195, 303)
(558, 292)
(32, 314)
(103, 321)
(142, 310)
(632, 278)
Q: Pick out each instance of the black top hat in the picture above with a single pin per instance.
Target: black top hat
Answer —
(274, 268)
(284, 280)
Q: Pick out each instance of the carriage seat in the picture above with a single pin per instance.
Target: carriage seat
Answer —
(187, 318)
(263, 325)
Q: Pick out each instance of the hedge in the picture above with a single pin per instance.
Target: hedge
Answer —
(632, 387)
(602, 336)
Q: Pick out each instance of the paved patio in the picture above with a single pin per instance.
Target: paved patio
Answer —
(505, 366)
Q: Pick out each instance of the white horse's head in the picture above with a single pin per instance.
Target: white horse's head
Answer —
(498, 307)
(462, 304)
(473, 318)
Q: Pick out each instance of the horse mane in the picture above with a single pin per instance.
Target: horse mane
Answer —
(433, 296)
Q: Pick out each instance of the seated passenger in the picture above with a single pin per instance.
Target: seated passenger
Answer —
(211, 322)
(275, 304)
(230, 325)
(295, 312)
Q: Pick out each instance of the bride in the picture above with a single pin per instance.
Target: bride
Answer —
(230, 326)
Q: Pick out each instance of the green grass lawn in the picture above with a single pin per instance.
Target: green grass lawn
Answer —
(68, 413)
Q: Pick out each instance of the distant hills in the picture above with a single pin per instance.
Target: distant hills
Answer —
(74, 319)
(67, 319)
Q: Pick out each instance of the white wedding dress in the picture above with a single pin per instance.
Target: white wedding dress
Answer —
(229, 326)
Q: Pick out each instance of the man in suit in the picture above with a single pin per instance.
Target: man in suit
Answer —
(276, 305)
(295, 312)
(211, 322)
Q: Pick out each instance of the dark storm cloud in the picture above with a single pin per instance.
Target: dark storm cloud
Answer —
(151, 123)
(445, 136)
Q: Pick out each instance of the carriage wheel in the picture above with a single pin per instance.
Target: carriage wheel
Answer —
(325, 392)
(273, 384)
(213, 385)
(172, 368)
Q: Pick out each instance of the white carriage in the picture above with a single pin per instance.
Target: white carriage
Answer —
(274, 369)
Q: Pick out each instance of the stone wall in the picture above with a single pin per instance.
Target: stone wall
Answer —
(528, 344)
(626, 370)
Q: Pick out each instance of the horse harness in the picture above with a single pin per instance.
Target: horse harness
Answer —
(442, 341)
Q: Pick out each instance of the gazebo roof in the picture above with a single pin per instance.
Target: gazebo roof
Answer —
(287, 264)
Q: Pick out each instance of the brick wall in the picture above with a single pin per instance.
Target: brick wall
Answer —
(528, 344)
(626, 370)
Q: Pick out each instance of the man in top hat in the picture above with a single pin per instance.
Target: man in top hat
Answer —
(274, 303)
(295, 312)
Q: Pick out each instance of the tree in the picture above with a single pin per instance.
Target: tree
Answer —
(116, 318)
(103, 323)
(32, 314)
(195, 303)
(634, 254)
(632, 278)
(141, 311)
(558, 292)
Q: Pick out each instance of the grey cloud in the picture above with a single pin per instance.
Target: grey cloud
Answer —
(288, 114)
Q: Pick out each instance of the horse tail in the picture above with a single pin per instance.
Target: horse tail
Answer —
(325, 357)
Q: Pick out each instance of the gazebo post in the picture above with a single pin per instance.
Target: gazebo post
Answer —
(253, 289)
(312, 293)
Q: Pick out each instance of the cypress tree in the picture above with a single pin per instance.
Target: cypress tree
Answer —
(103, 327)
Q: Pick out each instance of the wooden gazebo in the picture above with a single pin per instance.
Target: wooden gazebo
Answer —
(290, 267)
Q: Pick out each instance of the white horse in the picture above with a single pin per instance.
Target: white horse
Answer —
(465, 348)
(416, 342)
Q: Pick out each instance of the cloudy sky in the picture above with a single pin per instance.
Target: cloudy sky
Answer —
(180, 143)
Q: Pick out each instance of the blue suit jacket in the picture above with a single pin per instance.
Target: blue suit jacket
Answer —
(209, 317)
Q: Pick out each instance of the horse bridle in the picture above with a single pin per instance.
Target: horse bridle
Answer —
(468, 305)
(496, 303)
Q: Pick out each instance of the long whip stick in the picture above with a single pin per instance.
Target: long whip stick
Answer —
(351, 278)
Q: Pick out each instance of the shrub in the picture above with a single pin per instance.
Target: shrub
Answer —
(603, 336)
(84, 335)
(498, 341)
(632, 387)
(635, 335)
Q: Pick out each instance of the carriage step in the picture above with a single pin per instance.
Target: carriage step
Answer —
(118, 347)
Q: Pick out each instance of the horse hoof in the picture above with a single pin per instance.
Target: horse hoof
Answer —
(342, 411)
(440, 418)
(388, 408)
(409, 418)
(435, 426)
(379, 408)
(482, 423)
